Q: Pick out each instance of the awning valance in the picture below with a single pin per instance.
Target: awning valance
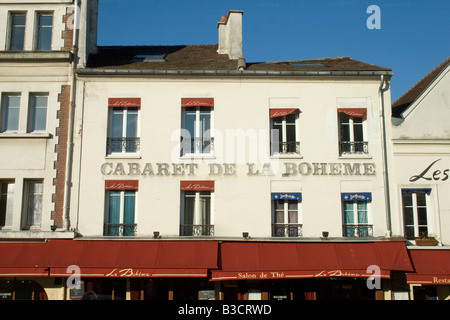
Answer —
(197, 185)
(286, 196)
(197, 102)
(432, 267)
(124, 102)
(252, 260)
(361, 196)
(97, 258)
(354, 112)
(275, 113)
(121, 184)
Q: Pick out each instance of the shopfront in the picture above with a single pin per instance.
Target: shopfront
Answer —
(308, 271)
(431, 279)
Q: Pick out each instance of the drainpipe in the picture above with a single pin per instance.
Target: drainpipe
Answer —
(385, 156)
(68, 182)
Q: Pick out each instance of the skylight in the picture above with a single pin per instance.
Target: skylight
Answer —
(150, 57)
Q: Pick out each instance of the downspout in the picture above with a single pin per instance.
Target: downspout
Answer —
(385, 156)
(68, 182)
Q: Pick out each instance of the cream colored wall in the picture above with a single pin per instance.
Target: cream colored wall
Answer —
(423, 138)
(241, 202)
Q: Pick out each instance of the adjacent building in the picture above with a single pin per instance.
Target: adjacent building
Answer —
(421, 171)
(187, 172)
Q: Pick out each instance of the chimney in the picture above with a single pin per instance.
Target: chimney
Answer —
(230, 34)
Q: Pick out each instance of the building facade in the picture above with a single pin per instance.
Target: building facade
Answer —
(421, 169)
(190, 173)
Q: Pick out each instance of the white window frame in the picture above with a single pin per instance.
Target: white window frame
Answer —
(284, 135)
(286, 217)
(11, 15)
(37, 34)
(197, 219)
(351, 132)
(9, 206)
(198, 152)
(124, 128)
(26, 204)
(429, 213)
(355, 215)
(32, 109)
(3, 107)
(122, 207)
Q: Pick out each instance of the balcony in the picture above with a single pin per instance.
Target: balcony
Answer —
(197, 145)
(358, 230)
(353, 148)
(287, 230)
(285, 148)
(196, 230)
(123, 145)
(120, 229)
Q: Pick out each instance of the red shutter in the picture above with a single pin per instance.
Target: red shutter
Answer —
(124, 102)
(358, 113)
(197, 102)
(197, 185)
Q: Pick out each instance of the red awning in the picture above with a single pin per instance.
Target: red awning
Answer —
(197, 185)
(353, 112)
(274, 113)
(98, 258)
(197, 102)
(124, 102)
(432, 267)
(23, 259)
(121, 184)
(253, 260)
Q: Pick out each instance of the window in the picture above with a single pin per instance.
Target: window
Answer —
(6, 202)
(33, 203)
(10, 112)
(285, 215)
(44, 31)
(284, 136)
(123, 131)
(415, 215)
(120, 210)
(38, 113)
(196, 215)
(356, 219)
(351, 131)
(196, 131)
(17, 31)
(121, 206)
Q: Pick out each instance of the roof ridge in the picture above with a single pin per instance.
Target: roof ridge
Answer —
(438, 69)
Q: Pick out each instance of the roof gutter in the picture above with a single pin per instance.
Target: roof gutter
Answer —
(242, 73)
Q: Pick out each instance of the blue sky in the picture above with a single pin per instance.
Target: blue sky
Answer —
(413, 39)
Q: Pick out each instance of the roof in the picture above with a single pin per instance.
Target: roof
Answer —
(402, 103)
(206, 58)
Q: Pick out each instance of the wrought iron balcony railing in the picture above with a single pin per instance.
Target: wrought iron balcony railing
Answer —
(287, 230)
(358, 230)
(285, 148)
(120, 229)
(203, 145)
(196, 230)
(123, 145)
(356, 147)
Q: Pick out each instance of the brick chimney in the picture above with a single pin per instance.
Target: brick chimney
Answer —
(230, 34)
